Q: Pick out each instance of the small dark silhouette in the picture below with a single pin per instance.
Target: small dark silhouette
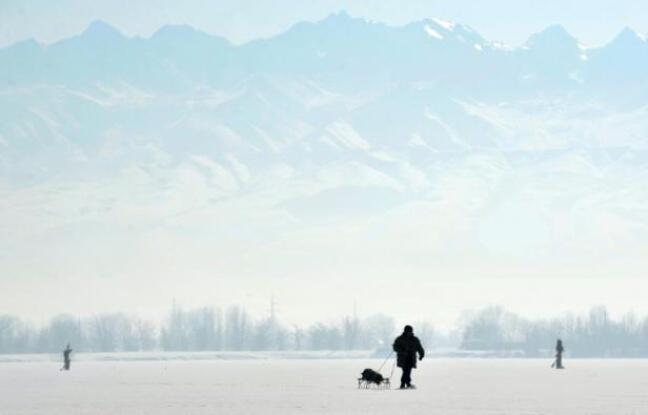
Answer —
(559, 351)
(406, 346)
(66, 357)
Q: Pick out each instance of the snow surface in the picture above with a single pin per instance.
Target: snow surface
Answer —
(347, 136)
(445, 386)
(447, 25)
(433, 33)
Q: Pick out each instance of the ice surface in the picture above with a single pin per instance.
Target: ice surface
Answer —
(445, 386)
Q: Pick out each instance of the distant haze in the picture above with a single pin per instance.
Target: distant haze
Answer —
(417, 170)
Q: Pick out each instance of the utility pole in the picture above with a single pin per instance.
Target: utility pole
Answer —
(273, 309)
(355, 311)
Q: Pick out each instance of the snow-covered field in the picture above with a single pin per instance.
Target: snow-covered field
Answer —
(446, 386)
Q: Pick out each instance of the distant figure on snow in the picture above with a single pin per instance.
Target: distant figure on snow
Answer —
(66, 358)
(559, 351)
(406, 346)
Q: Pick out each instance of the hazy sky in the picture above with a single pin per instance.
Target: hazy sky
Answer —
(592, 21)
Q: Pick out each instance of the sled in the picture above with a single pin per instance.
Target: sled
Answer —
(370, 377)
(367, 384)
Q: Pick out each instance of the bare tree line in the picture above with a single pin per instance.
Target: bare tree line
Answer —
(198, 329)
(594, 334)
(492, 329)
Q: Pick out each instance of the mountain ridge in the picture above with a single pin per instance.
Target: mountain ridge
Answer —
(334, 18)
(331, 50)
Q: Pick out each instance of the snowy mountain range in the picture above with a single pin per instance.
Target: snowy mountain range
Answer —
(341, 83)
(339, 130)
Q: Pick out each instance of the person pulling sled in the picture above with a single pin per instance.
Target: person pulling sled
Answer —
(406, 346)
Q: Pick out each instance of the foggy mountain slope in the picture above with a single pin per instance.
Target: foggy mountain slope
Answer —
(323, 149)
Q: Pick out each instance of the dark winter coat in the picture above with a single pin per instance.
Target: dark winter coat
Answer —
(406, 346)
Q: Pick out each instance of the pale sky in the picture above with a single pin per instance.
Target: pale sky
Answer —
(594, 22)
